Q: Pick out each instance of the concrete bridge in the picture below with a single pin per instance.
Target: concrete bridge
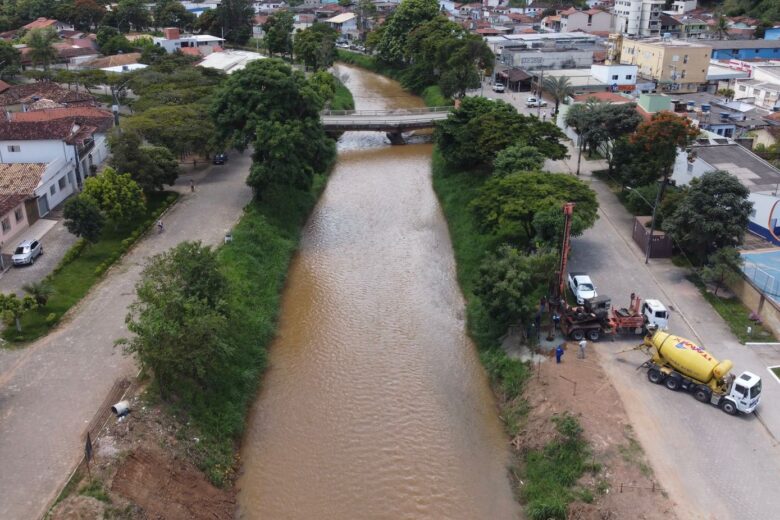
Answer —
(393, 122)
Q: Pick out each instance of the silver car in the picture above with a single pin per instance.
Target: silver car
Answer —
(26, 252)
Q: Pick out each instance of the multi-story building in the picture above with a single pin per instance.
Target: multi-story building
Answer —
(675, 65)
(745, 49)
(592, 20)
(196, 44)
(638, 17)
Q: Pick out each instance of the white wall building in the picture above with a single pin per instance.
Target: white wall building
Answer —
(638, 17)
(174, 41)
(592, 20)
(617, 75)
(683, 6)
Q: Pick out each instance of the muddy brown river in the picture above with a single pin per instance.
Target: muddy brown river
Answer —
(375, 405)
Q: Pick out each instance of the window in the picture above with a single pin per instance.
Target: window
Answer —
(742, 88)
(675, 58)
(62, 183)
(14, 148)
(614, 76)
(18, 214)
(690, 168)
(629, 76)
(53, 189)
(685, 59)
(6, 225)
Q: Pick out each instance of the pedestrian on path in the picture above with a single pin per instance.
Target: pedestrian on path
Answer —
(556, 320)
(192, 185)
(159, 226)
(558, 353)
(583, 344)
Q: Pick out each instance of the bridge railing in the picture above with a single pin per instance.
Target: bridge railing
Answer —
(398, 112)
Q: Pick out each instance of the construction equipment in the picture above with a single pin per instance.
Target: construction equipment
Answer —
(680, 364)
(597, 318)
(560, 274)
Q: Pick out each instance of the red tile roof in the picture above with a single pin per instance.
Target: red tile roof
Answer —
(17, 94)
(40, 23)
(190, 51)
(114, 60)
(93, 116)
(20, 178)
(4, 86)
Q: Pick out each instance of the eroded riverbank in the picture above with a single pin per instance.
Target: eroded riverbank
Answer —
(375, 404)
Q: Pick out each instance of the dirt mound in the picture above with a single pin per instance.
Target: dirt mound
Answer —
(169, 488)
(78, 508)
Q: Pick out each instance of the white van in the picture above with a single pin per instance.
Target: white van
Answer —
(655, 314)
(498, 87)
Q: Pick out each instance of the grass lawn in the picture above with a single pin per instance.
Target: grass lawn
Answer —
(342, 99)
(776, 371)
(79, 271)
(734, 312)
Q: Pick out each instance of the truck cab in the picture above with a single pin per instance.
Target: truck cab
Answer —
(745, 393)
(655, 314)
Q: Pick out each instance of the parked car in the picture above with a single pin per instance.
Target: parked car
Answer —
(535, 102)
(220, 158)
(26, 252)
(581, 287)
(498, 87)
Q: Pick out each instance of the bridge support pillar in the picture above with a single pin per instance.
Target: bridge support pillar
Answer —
(396, 138)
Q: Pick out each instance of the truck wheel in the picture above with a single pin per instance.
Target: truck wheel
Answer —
(672, 383)
(655, 376)
(702, 394)
(577, 334)
(594, 335)
(729, 407)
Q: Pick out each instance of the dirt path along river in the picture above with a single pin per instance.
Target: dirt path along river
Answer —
(375, 404)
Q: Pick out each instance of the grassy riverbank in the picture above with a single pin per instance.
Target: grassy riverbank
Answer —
(342, 99)
(545, 478)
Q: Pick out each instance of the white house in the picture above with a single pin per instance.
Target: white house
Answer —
(203, 44)
(70, 141)
(592, 20)
(345, 24)
(619, 77)
(638, 17)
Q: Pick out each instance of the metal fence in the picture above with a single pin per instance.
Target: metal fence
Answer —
(763, 281)
(397, 112)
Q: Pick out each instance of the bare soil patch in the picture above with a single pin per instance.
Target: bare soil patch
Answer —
(625, 487)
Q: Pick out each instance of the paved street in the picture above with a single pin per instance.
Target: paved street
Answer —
(50, 390)
(714, 466)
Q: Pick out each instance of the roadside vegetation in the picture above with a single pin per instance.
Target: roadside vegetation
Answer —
(504, 220)
(216, 310)
(82, 266)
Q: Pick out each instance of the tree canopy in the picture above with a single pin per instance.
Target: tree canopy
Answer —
(507, 206)
(151, 167)
(10, 60)
(40, 42)
(315, 46)
(713, 214)
(83, 218)
(473, 134)
(179, 319)
(391, 47)
(117, 195)
(278, 33)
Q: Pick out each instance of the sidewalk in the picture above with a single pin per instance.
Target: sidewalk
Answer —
(50, 390)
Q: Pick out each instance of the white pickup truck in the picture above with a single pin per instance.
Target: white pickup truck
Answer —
(581, 287)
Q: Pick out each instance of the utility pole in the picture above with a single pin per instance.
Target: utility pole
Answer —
(652, 220)
(539, 97)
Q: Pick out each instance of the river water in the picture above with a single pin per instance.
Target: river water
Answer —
(375, 405)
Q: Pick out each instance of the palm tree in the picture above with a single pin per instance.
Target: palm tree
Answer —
(721, 28)
(559, 87)
(41, 50)
(40, 291)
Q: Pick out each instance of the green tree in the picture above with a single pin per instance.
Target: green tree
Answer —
(559, 87)
(427, 51)
(235, 18)
(91, 78)
(104, 34)
(85, 14)
(517, 158)
(117, 44)
(723, 268)
(40, 291)
(172, 126)
(315, 46)
(266, 90)
(151, 167)
(40, 42)
(83, 218)
(14, 308)
(170, 13)
(127, 15)
(511, 283)
(324, 83)
(117, 195)
(366, 11)
(179, 320)
(10, 60)
(473, 134)
(278, 32)
(506, 206)
(726, 92)
(391, 47)
(714, 214)
(467, 58)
